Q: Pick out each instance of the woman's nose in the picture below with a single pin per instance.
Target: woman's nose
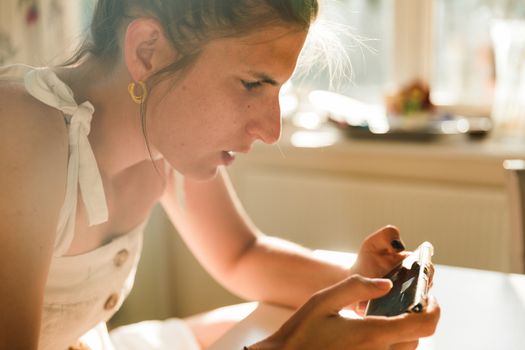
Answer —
(267, 125)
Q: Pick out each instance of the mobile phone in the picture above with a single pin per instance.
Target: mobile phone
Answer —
(411, 282)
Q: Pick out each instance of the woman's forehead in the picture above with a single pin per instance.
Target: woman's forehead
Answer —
(273, 52)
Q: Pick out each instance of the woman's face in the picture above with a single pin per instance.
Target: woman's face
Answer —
(227, 100)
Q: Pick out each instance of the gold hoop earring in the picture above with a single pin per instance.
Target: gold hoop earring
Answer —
(138, 99)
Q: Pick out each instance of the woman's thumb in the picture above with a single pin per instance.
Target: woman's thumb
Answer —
(352, 290)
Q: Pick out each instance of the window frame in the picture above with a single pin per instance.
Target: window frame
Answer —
(412, 52)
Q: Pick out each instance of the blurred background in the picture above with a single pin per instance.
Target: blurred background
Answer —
(414, 134)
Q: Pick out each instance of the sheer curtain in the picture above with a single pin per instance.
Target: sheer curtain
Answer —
(41, 32)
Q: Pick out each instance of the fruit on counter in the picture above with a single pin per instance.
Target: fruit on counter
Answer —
(412, 99)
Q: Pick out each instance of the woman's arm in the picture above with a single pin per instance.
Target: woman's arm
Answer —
(252, 265)
(33, 154)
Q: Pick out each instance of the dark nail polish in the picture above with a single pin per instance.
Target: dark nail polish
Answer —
(397, 245)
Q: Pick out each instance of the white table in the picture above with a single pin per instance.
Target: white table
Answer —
(479, 310)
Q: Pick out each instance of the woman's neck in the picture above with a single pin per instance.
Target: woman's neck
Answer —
(116, 133)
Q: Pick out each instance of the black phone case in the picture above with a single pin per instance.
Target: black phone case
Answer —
(411, 283)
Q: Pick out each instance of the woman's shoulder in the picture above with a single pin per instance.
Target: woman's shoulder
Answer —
(26, 120)
(31, 133)
(33, 159)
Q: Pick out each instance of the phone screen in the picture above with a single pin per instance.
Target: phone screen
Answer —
(401, 297)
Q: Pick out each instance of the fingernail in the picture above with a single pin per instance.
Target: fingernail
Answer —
(382, 283)
(397, 245)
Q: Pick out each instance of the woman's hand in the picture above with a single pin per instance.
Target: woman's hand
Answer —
(318, 325)
(379, 253)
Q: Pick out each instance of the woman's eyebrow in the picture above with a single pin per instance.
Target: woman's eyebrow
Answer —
(265, 78)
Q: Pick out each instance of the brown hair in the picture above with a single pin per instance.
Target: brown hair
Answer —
(189, 24)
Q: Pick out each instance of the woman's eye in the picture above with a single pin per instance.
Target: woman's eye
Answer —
(250, 85)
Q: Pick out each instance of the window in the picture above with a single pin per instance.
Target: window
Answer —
(446, 42)
(369, 22)
(463, 50)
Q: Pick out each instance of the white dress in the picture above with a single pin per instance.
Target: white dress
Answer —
(83, 291)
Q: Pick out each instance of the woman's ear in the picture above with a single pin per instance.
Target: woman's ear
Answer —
(146, 49)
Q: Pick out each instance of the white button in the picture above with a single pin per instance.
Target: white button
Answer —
(79, 346)
(111, 302)
(121, 257)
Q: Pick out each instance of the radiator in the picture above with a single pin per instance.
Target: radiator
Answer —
(469, 226)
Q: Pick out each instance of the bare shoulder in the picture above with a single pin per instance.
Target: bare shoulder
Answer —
(33, 152)
(24, 119)
(33, 159)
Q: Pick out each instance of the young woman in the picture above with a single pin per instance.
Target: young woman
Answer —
(160, 97)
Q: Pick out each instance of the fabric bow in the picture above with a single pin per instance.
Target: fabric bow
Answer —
(83, 171)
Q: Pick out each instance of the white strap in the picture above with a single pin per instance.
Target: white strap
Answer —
(180, 192)
(83, 171)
